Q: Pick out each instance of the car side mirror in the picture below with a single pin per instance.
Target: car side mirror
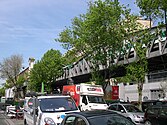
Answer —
(86, 103)
(79, 107)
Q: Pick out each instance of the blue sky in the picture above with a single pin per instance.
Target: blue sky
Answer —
(29, 27)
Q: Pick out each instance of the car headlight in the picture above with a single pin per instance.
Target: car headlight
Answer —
(49, 121)
(136, 116)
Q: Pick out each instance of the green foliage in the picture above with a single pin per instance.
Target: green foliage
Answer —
(2, 91)
(136, 71)
(99, 34)
(46, 70)
(71, 57)
(149, 8)
(106, 31)
(20, 81)
(152, 9)
(36, 77)
(8, 84)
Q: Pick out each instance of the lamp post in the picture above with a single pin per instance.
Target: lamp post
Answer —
(34, 110)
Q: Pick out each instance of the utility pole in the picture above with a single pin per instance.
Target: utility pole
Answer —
(34, 110)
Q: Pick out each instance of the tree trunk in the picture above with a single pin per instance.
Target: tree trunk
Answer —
(140, 89)
(150, 21)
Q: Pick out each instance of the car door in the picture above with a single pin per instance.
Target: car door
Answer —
(162, 117)
(121, 110)
(113, 107)
(119, 120)
(29, 112)
(152, 115)
(84, 103)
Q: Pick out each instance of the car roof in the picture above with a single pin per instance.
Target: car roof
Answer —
(159, 106)
(53, 96)
(93, 113)
(122, 103)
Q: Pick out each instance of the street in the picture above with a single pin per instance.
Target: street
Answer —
(8, 121)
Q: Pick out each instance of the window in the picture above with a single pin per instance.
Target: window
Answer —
(96, 99)
(109, 119)
(84, 100)
(153, 111)
(57, 104)
(70, 120)
(163, 111)
(132, 108)
(113, 107)
(30, 103)
(120, 108)
(118, 120)
(73, 120)
(79, 121)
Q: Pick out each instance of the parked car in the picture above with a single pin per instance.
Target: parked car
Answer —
(130, 111)
(156, 115)
(50, 109)
(149, 103)
(96, 117)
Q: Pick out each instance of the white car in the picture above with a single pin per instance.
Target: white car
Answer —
(50, 110)
(129, 111)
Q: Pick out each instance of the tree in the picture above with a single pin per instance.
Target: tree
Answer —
(10, 69)
(105, 32)
(149, 8)
(137, 70)
(71, 56)
(98, 34)
(153, 9)
(2, 91)
(46, 70)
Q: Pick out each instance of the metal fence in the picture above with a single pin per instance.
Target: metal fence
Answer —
(157, 76)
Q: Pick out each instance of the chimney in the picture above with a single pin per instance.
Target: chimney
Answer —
(31, 63)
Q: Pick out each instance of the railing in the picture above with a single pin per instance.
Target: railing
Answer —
(158, 47)
(157, 76)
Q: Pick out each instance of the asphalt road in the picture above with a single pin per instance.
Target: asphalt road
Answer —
(4, 120)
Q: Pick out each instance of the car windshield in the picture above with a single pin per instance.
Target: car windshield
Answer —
(96, 99)
(132, 108)
(57, 104)
(110, 119)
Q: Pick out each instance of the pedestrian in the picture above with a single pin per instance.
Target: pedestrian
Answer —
(127, 99)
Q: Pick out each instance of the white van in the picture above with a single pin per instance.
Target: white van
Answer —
(50, 109)
(86, 96)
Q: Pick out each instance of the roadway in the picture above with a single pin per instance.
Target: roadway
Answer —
(8, 121)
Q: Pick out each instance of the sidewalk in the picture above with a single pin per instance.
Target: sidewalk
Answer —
(11, 121)
(14, 121)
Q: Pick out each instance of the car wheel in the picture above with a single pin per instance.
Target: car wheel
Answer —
(129, 119)
(147, 123)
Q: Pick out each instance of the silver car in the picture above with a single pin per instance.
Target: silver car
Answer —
(128, 110)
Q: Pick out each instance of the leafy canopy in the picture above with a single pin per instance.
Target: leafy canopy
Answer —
(153, 9)
(46, 70)
(100, 33)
